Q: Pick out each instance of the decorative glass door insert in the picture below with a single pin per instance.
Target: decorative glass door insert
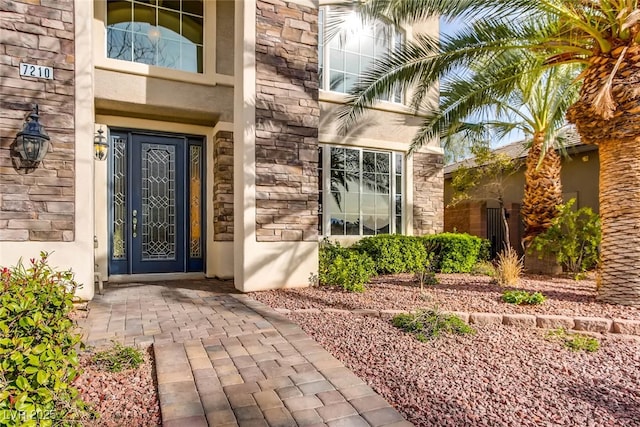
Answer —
(156, 188)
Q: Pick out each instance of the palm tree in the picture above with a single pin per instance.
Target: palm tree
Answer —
(523, 37)
(536, 107)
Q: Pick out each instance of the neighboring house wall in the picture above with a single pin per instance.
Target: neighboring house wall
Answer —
(579, 177)
(469, 217)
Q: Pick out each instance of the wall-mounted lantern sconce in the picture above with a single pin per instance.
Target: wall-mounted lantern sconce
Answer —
(100, 145)
(32, 142)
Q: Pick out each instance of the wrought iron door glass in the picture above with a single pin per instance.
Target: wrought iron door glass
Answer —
(158, 229)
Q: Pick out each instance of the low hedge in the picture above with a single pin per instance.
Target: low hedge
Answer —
(445, 252)
(394, 253)
(456, 252)
(351, 268)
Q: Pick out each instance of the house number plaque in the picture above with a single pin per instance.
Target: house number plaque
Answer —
(37, 71)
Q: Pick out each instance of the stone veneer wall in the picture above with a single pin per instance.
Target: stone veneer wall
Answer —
(466, 217)
(287, 117)
(223, 187)
(428, 193)
(38, 205)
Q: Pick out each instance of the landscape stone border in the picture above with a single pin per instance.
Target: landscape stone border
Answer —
(600, 325)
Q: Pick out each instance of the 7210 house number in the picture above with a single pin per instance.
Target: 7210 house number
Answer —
(38, 71)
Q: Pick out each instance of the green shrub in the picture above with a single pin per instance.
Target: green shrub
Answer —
(455, 252)
(344, 267)
(484, 268)
(38, 347)
(575, 342)
(326, 255)
(574, 238)
(394, 253)
(523, 297)
(429, 324)
(118, 358)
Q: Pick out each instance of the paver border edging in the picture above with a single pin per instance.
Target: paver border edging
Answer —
(601, 325)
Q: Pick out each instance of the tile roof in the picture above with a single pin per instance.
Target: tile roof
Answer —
(519, 149)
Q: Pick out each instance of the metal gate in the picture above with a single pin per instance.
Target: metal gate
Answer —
(495, 230)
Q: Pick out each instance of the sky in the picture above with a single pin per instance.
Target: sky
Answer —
(452, 27)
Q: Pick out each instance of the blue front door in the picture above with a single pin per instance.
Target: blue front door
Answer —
(151, 207)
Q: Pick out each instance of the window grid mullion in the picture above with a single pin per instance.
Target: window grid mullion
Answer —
(392, 193)
(403, 197)
(156, 54)
(131, 30)
(360, 176)
(325, 52)
(326, 193)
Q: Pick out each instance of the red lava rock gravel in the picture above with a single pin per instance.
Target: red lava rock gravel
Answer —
(502, 376)
(456, 292)
(127, 398)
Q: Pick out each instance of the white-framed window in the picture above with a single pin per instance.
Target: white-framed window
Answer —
(353, 50)
(162, 33)
(360, 191)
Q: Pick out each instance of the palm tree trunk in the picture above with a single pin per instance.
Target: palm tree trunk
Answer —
(611, 121)
(620, 214)
(542, 189)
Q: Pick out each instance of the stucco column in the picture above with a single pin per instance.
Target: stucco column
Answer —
(275, 150)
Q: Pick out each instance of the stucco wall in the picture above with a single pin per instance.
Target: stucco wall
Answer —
(121, 93)
(224, 37)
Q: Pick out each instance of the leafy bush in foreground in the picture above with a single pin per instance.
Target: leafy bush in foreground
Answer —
(38, 347)
(344, 267)
(429, 324)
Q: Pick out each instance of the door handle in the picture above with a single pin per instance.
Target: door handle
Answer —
(134, 222)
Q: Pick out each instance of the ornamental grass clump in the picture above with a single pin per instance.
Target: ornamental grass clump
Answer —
(509, 267)
(118, 358)
(38, 354)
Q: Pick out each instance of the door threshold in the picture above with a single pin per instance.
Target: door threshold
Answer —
(150, 277)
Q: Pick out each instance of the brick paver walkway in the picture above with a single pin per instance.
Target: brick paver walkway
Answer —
(223, 359)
